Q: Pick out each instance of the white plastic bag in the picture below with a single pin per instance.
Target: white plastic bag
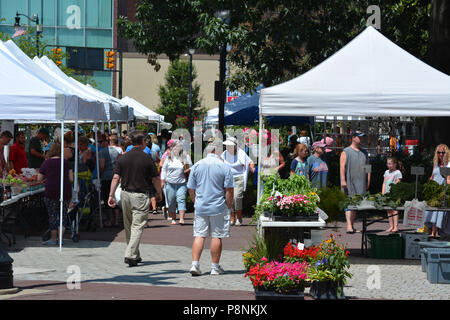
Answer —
(117, 194)
(414, 214)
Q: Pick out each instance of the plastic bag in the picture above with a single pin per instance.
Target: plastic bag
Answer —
(414, 214)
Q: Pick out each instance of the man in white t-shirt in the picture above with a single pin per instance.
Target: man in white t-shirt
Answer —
(239, 163)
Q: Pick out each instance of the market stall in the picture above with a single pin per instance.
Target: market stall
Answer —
(146, 114)
(369, 77)
(27, 96)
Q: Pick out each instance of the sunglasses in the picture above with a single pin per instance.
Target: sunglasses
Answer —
(440, 152)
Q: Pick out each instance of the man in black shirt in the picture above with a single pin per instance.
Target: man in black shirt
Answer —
(36, 155)
(140, 181)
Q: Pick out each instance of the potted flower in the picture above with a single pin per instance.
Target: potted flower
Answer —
(278, 280)
(328, 272)
(295, 207)
(293, 254)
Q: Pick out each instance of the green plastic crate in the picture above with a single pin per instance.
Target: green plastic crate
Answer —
(386, 246)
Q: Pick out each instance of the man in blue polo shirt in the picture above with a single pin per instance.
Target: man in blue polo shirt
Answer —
(211, 187)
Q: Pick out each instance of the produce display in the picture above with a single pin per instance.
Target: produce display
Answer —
(20, 183)
(399, 193)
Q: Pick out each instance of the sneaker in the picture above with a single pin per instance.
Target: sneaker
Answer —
(195, 271)
(238, 223)
(50, 242)
(232, 223)
(217, 270)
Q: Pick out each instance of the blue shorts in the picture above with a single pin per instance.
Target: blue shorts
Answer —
(176, 195)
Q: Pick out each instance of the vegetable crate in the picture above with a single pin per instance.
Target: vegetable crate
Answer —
(438, 264)
(411, 244)
(386, 246)
(430, 244)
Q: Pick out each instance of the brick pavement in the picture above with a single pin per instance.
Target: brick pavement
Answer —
(41, 271)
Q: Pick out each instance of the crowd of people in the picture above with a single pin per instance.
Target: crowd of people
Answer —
(152, 169)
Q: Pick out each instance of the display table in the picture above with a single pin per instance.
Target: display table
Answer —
(16, 205)
(367, 207)
(300, 226)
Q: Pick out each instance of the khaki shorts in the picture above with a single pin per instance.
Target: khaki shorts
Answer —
(217, 226)
(238, 194)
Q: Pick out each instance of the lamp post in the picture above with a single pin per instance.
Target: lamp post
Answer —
(191, 53)
(34, 18)
(223, 15)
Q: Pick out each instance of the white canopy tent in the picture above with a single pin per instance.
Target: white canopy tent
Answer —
(25, 95)
(212, 116)
(370, 76)
(141, 112)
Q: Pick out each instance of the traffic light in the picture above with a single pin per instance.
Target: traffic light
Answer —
(57, 56)
(109, 59)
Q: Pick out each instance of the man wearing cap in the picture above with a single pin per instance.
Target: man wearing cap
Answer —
(36, 154)
(240, 163)
(316, 168)
(354, 181)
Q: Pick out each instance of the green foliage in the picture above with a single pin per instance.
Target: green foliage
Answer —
(270, 247)
(329, 202)
(404, 191)
(174, 94)
(271, 41)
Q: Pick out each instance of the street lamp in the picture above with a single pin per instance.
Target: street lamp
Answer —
(191, 53)
(34, 18)
(223, 15)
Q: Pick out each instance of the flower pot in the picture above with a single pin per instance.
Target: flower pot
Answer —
(327, 290)
(272, 295)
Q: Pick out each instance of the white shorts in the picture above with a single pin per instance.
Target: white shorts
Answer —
(217, 226)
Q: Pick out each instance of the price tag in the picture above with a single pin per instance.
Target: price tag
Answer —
(418, 171)
(321, 214)
(300, 246)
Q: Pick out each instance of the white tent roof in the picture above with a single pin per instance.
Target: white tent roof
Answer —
(18, 55)
(26, 96)
(115, 110)
(370, 76)
(141, 111)
(212, 116)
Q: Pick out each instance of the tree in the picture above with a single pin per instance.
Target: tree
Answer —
(174, 94)
(271, 41)
(438, 56)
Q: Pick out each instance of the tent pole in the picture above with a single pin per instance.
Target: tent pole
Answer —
(259, 157)
(97, 183)
(75, 180)
(61, 196)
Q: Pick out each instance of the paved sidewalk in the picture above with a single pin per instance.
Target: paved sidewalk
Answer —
(42, 272)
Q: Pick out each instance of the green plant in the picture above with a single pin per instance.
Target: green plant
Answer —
(331, 263)
(270, 246)
(329, 202)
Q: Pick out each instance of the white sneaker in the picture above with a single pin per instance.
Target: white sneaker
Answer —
(195, 271)
(217, 270)
(238, 223)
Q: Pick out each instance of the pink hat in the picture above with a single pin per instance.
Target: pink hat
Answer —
(318, 144)
(170, 142)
